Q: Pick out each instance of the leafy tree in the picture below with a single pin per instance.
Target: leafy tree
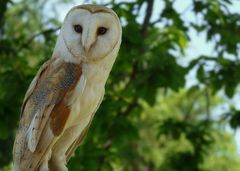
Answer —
(124, 134)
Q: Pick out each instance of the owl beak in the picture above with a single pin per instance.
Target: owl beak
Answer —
(85, 47)
(87, 42)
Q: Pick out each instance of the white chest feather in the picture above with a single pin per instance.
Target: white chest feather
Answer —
(87, 95)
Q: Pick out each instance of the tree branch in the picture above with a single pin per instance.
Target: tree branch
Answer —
(3, 8)
(47, 31)
(147, 17)
(156, 21)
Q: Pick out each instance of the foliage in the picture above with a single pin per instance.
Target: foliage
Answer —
(146, 121)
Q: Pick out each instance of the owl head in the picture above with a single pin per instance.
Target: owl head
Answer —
(90, 33)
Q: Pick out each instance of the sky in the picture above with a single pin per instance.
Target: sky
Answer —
(196, 47)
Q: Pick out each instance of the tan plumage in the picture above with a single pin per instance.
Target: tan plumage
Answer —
(66, 92)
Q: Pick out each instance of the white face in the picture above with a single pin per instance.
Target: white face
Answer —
(90, 36)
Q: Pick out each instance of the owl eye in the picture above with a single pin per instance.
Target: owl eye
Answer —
(101, 30)
(78, 28)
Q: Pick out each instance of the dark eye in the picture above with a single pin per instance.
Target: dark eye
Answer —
(78, 28)
(101, 30)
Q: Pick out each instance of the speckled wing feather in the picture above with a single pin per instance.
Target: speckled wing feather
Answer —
(44, 112)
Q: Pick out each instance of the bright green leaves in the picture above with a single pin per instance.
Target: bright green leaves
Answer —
(172, 16)
(221, 25)
(225, 75)
(234, 118)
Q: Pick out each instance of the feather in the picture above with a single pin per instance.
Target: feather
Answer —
(44, 108)
(74, 145)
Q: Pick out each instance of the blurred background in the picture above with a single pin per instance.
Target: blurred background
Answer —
(172, 100)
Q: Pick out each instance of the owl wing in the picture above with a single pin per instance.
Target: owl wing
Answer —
(75, 144)
(33, 83)
(44, 111)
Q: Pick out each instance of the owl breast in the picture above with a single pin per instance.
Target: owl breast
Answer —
(86, 97)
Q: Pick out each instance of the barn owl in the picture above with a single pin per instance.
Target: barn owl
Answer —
(62, 99)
